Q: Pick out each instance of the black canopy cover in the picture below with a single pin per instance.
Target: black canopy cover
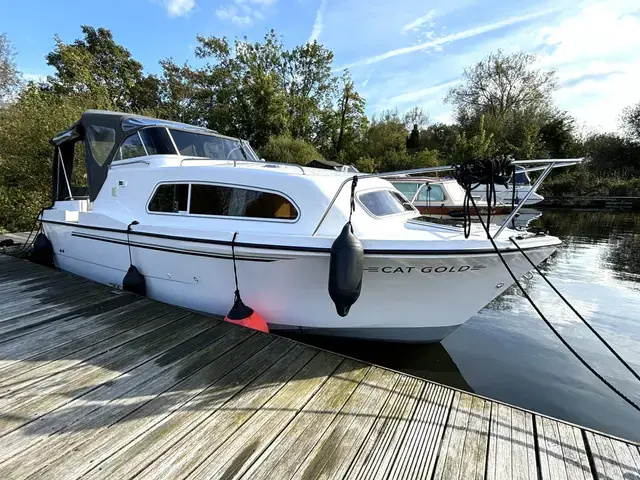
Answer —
(102, 132)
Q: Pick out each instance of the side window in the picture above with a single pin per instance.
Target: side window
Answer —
(434, 194)
(132, 147)
(240, 202)
(170, 198)
(101, 142)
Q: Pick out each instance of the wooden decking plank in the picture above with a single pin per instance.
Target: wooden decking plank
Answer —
(82, 350)
(96, 355)
(35, 400)
(561, 451)
(107, 314)
(375, 458)
(27, 278)
(466, 432)
(77, 421)
(291, 447)
(200, 425)
(511, 445)
(25, 321)
(41, 293)
(224, 377)
(416, 459)
(338, 446)
(613, 459)
(247, 443)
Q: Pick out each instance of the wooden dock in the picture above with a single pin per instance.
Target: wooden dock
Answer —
(96, 383)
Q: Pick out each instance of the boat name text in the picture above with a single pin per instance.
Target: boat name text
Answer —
(425, 269)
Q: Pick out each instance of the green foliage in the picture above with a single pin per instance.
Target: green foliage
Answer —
(611, 154)
(284, 149)
(581, 181)
(9, 75)
(500, 84)
(631, 121)
(96, 64)
(479, 145)
(26, 126)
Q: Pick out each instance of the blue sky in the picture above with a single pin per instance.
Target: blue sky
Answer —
(400, 53)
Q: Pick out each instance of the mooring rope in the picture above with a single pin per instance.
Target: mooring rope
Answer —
(584, 320)
(548, 323)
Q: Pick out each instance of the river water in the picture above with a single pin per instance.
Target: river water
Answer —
(506, 352)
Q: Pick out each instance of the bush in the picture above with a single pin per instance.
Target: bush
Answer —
(284, 149)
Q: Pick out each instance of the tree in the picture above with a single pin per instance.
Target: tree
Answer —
(413, 140)
(415, 117)
(284, 149)
(479, 145)
(440, 137)
(26, 125)
(500, 84)
(9, 75)
(309, 85)
(386, 134)
(631, 121)
(99, 65)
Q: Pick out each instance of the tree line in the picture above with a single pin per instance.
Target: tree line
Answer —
(293, 107)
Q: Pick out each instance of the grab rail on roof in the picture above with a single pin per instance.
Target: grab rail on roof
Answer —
(266, 164)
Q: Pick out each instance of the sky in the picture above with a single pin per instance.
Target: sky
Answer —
(400, 53)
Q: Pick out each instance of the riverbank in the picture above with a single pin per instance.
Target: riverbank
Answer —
(627, 204)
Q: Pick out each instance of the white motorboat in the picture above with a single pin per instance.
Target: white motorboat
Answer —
(169, 198)
(504, 193)
(437, 197)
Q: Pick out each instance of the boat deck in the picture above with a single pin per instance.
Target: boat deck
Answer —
(96, 383)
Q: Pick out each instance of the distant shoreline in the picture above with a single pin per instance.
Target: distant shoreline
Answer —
(626, 204)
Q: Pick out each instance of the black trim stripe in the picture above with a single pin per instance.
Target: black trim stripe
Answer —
(292, 248)
(173, 250)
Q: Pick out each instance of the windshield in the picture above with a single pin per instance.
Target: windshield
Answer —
(192, 144)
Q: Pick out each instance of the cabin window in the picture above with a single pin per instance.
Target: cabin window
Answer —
(170, 198)
(240, 202)
(101, 141)
(132, 147)
(385, 202)
(209, 146)
(433, 194)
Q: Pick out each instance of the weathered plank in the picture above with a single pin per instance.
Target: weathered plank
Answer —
(512, 451)
(200, 424)
(224, 372)
(39, 398)
(338, 446)
(236, 455)
(613, 459)
(562, 451)
(463, 453)
(289, 450)
(110, 403)
(376, 456)
(416, 458)
(84, 349)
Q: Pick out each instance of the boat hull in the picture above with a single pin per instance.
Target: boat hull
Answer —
(405, 298)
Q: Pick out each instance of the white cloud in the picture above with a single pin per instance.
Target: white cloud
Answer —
(244, 12)
(179, 8)
(472, 32)
(596, 53)
(318, 25)
(418, 22)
